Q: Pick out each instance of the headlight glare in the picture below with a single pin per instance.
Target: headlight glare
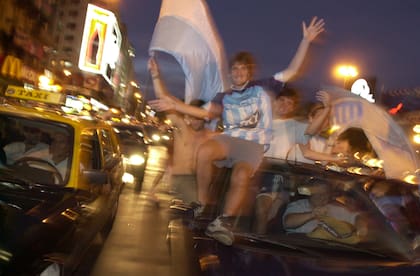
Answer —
(128, 178)
(136, 160)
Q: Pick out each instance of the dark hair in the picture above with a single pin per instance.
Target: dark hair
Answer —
(357, 140)
(289, 92)
(245, 58)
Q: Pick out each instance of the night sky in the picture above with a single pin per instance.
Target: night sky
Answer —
(380, 37)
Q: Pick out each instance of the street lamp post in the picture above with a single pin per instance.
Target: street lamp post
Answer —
(346, 72)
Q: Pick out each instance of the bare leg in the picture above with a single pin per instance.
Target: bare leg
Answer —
(207, 153)
(156, 182)
(262, 208)
(239, 188)
(158, 179)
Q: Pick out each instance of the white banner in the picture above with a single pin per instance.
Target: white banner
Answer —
(386, 136)
(185, 30)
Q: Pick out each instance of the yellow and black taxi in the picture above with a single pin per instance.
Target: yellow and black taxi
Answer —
(60, 180)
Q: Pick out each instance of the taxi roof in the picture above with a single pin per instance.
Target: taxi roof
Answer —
(45, 113)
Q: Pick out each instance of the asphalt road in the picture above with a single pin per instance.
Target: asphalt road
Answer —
(137, 243)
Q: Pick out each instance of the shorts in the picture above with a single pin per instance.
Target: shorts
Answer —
(240, 150)
(185, 186)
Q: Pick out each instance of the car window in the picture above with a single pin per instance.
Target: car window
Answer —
(37, 149)
(313, 205)
(90, 151)
(108, 146)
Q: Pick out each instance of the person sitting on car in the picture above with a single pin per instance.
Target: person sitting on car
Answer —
(334, 149)
(31, 144)
(288, 130)
(320, 216)
(348, 143)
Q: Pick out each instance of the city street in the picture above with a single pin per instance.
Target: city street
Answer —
(137, 242)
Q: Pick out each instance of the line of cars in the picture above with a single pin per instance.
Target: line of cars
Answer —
(135, 139)
(60, 180)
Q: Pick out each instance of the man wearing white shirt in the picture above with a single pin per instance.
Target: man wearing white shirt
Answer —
(30, 145)
(287, 132)
(59, 152)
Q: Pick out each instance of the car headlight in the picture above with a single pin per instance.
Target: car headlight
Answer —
(156, 137)
(135, 160)
(128, 178)
(166, 137)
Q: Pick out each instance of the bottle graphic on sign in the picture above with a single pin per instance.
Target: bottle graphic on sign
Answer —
(95, 45)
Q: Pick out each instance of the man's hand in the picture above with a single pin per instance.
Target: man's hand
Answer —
(323, 97)
(163, 104)
(314, 29)
(319, 212)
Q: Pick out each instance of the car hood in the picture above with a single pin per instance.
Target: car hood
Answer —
(31, 218)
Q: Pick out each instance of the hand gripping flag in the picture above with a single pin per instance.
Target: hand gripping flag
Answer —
(185, 30)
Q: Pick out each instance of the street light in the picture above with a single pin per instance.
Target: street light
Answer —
(346, 72)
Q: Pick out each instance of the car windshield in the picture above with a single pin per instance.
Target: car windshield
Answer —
(304, 205)
(36, 150)
(129, 137)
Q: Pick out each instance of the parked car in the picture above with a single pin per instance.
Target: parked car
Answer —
(60, 181)
(134, 150)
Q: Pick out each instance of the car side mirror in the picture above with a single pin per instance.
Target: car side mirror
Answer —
(96, 177)
(113, 162)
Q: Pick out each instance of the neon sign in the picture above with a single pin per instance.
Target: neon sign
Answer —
(101, 43)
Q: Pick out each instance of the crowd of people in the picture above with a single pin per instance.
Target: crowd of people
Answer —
(246, 112)
(260, 122)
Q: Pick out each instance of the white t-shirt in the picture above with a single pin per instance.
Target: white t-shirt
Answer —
(316, 143)
(286, 134)
(333, 210)
(16, 150)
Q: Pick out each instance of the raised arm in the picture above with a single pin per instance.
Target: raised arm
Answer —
(167, 102)
(310, 32)
(317, 123)
(158, 84)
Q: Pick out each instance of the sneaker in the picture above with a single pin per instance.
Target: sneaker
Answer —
(197, 209)
(220, 230)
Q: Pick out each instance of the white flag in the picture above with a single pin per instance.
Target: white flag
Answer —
(387, 138)
(185, 30)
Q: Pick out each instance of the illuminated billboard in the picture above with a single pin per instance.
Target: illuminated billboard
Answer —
(101, 43)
